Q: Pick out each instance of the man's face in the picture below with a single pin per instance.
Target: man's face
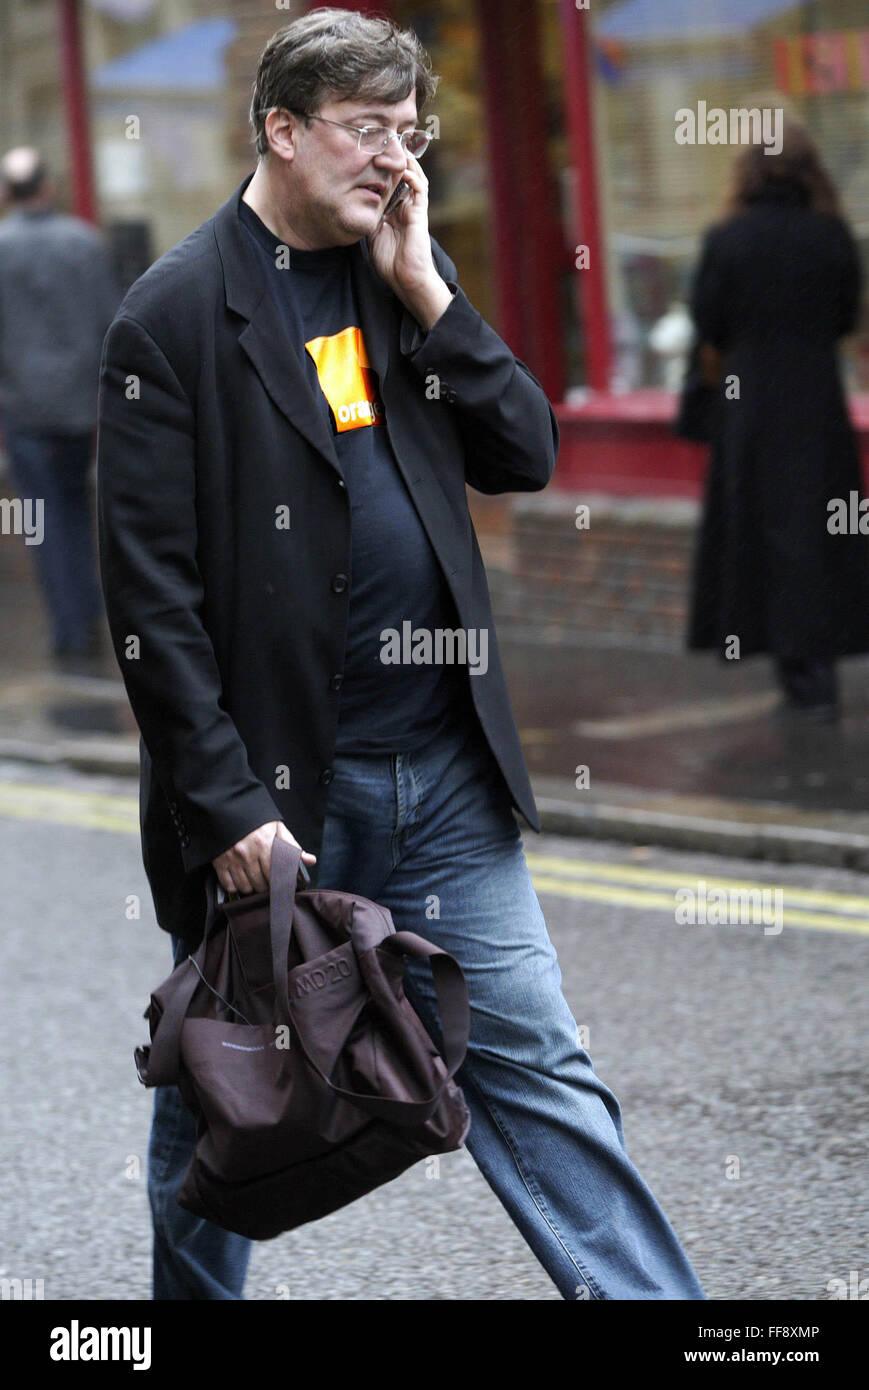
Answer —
(338, 191)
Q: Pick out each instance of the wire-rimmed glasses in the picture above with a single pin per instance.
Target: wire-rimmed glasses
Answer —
(374, 139)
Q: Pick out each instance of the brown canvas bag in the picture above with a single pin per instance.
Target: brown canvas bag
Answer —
(290, 1037)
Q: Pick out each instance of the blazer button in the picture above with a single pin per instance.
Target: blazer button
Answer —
(339, 583)
(336, 682)
(341, 482)
(326, 776)
(185, 841)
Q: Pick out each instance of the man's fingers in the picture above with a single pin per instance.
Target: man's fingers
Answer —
(245, 867)
(241, 878)
(237, 875)
(415, 169)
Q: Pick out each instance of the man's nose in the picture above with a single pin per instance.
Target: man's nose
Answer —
(392, 156)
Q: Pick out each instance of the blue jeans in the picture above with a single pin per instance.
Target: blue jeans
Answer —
(431, 836)
(55, 468)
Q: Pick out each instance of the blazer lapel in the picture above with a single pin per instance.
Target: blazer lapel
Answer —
(263, 337)
(281, 372)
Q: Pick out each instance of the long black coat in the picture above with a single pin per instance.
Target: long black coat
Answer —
(229, 631)
(775, 288)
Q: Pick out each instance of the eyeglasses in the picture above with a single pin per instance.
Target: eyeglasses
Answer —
(376, 138)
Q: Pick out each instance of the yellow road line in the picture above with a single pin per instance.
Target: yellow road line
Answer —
(623, 885)
(629, 873)
(664, 902)
(65, 806)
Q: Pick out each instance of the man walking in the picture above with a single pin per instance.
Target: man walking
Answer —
(58, 293)
(292, 402)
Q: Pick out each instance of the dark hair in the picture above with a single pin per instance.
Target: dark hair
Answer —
(798, 163)
(337, 54)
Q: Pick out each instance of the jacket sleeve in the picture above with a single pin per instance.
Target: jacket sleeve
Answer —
(709, 294)
(153, 592)
(506, 422)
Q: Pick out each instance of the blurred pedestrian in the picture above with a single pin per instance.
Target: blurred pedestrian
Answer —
(778, 284)
(58, 295)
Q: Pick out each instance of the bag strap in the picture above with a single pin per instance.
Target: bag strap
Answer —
(159, 1064)
(451, 989)
(284, 867)
(455, 1014)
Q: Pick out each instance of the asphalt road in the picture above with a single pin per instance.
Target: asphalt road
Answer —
(738, 1055)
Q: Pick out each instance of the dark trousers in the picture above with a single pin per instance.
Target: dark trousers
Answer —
(52, 469)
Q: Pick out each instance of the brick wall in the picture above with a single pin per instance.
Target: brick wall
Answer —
(625, 577)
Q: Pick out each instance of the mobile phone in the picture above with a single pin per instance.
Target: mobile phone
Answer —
(401, 193)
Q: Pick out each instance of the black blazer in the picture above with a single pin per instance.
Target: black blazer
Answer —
(229, 629)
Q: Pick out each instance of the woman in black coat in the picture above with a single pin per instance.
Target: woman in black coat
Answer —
(778, 284)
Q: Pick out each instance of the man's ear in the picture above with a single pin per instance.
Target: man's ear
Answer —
(283, 130)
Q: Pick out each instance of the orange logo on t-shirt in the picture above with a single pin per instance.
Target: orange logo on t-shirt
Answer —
(347, 380)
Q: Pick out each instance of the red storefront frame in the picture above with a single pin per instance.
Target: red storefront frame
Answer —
(76, 105)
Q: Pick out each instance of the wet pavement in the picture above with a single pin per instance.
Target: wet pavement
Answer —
(690, 724)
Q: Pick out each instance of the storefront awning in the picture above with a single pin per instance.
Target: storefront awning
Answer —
(186, 59)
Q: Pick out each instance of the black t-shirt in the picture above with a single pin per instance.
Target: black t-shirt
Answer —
(395, 576)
